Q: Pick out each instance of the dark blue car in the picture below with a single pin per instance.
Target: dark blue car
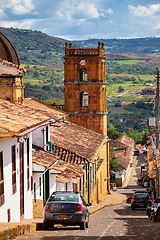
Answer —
(139, 200)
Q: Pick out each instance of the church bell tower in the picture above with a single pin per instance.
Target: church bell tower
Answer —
(85, 87)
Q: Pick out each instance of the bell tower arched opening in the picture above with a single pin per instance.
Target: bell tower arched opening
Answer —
(83, 75)
(83, 99)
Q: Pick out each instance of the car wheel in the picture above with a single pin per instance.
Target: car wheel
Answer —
(82, 225)
(86, 224)
(45, 226)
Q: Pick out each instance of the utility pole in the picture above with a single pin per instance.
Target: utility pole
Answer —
(157, 133)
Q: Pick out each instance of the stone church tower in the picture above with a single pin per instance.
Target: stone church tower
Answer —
(85, 87)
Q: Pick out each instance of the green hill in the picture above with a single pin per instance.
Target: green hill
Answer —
(135, 46)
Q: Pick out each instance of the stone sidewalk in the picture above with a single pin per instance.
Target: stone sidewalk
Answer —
(9, 230)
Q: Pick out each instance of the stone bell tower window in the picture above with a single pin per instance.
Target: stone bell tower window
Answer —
(83, 99)
(83, 75)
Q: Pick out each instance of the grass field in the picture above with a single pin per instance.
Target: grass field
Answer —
(128, 62)
(132, 92)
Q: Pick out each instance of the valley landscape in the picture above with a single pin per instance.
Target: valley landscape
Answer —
(130, 68)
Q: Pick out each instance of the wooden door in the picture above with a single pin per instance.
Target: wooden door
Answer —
(21, 151)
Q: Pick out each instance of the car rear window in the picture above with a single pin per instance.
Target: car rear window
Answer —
(64, 197)
(140, 196)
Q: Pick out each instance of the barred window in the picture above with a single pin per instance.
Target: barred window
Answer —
(13, 152)
(1, 180)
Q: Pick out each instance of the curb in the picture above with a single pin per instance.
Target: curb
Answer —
(19, 229)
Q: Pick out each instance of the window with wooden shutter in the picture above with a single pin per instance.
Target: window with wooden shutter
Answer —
(27, 163)
(1, 180)
(13, 150)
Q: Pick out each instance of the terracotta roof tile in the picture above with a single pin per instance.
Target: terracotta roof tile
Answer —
(16, 118)
(44, 108)
(124, 161)
(50, 160)
(126, 140)
(8, 68)
(123, 150)
(76, 139)
(152, 160)
(117, 145)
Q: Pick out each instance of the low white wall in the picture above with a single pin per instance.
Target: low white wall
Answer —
(52, 183)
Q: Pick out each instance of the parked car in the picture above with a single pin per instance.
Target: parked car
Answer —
(141, 191)
(66, 208)
(136, 152)
(144, 151)
(139, 200)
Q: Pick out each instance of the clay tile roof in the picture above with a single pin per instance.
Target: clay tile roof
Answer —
(124, 161)
(126, 140)
(42, 158)
(117, 145)
(16, 118)
(8, 68)
(50, 160)
(123, 150)
(44, 108)
(76, 139)
(72, 171)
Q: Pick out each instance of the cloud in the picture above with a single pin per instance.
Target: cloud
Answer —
(157, 26)
(17, 7)
(2, 14)
(80, 9)
(25, 24)
(77, 10)
(151, 10)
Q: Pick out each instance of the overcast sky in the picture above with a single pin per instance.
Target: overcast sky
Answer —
(83, 19)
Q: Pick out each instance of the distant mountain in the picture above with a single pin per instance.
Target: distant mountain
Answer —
(134, 46)
(36, 48)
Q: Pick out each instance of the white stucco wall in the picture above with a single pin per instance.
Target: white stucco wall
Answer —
(61, 186)
(36, 177)
(52, 183)
(39, 136)
(70, 186)
(122, 173)
(12, 202)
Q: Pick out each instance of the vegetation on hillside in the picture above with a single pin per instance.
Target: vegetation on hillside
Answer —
(137, 45)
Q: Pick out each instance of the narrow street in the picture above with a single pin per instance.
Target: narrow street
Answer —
(132, 184)
(117, 222)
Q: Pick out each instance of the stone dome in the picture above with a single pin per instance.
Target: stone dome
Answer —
(7, 51)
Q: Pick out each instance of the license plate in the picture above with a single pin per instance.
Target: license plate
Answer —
(62, 217)
(141, 205)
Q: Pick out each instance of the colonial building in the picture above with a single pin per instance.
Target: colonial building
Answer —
(122, 147)
(17, 126)
(11, 86)
(85, 87)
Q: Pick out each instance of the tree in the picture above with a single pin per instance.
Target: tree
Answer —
(113, 134)
(120, 89)
(114, 166)
(117, 104)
